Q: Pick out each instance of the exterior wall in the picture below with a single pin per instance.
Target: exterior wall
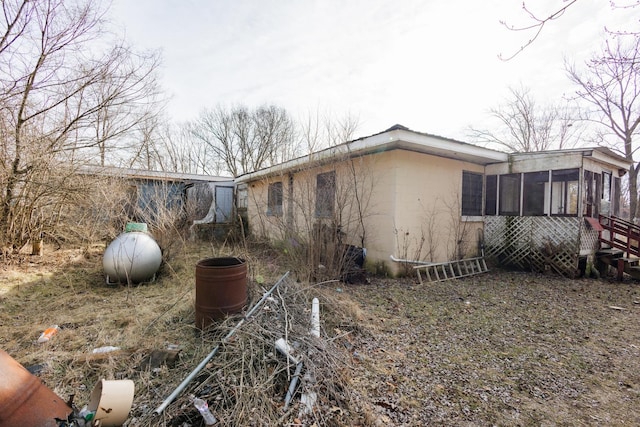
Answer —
(396, 202)
(363, 203)
(428, 224)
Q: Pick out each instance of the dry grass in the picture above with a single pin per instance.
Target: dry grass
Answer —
(244, 383)
(503, 348)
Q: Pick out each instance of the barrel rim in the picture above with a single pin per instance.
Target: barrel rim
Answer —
(221, 262)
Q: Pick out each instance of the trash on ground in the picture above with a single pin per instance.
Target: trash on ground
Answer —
(48, 334)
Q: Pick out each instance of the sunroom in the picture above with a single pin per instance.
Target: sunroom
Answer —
(541, 209)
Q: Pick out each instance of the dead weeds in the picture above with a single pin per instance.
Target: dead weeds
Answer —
(504, 348)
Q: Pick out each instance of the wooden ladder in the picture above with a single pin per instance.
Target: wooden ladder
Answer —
(448, 270)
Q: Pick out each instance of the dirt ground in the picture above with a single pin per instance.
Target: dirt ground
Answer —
(503, 348)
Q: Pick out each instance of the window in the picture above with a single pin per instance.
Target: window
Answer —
(615, 208)
(564, 192)
(274, 199)
(325, 194)
(606, 186)
(471, 194)
(605, 205)
(597, 195)
(491, 197)
(535, 191)
(510, 194)
(588, 194)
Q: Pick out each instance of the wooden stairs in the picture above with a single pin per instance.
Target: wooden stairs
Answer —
(621, 250)
(448, 270)
(623, 264)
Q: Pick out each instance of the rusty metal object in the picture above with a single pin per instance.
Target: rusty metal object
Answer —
(24, 400)
(221, 288)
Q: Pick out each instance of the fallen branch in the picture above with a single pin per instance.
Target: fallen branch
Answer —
(224, 340)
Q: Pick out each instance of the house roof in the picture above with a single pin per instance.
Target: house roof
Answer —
(396, 137)
(152, 175)
(602, 154)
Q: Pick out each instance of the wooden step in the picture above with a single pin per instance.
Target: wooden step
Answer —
(610, 252)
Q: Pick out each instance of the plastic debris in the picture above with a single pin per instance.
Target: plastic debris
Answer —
(105, 349)
(48, 334)
(86, 414)
(203, 408)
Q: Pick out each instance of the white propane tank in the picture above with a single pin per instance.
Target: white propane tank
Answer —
(132, 257)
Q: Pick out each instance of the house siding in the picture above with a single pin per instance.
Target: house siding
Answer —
(410, 206)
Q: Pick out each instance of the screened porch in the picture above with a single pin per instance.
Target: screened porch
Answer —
(534, 216)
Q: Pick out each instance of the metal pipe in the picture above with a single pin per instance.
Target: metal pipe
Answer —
(409, 261)
(292, 386)
(206, 360)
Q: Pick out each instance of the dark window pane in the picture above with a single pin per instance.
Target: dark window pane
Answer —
(565, 175)
(533, 196)
(492, 195)
(616, 197)
(588, 193)
(274, 199)
(325, 194)
(510, 194)
(471, 194)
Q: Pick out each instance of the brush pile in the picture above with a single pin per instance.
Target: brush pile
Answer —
(246, 382)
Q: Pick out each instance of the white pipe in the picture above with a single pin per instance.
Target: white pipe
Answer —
(283, 347)
(409, 261)
(315, 318)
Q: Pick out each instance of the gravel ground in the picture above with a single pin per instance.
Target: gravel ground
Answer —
(502, 348)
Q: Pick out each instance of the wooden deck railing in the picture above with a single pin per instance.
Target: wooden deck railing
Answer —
(621, 234)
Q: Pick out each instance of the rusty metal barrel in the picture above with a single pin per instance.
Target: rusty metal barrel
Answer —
(24, 400)
(221, 288)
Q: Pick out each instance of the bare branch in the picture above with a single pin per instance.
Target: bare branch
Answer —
(537, 26)
(523, 126)
(611, 84)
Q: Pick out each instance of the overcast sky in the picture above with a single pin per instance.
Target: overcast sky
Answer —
(430, 65)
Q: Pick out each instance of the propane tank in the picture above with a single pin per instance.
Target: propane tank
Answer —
(133, 257)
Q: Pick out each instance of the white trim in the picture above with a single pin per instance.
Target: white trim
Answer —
(394, 139)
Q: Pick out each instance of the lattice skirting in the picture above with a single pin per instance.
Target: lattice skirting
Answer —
(538, 243)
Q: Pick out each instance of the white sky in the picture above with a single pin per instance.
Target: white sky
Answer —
(430, 65)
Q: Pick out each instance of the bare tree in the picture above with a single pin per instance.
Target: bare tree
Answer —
(67, 91)
(536, 22)
(245, 140)
(611, 85)
(524, 126)
(318, 130)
